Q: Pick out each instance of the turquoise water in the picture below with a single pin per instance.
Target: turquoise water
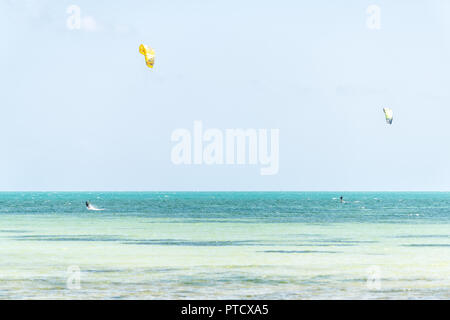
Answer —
(225, 245)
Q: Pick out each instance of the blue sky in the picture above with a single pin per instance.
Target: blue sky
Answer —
(81, 111)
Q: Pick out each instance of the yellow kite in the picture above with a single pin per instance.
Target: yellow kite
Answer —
(389, 115)
(149, 55)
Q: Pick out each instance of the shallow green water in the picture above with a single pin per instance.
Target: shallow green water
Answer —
(274, 245)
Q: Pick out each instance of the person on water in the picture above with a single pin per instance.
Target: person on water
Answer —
(88, 204)
(342, 199)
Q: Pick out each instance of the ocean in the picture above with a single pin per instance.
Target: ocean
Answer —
(225, 245)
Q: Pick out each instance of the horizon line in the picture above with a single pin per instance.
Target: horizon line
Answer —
(336, 191)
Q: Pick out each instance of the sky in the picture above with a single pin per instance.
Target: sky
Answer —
(80, 110)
